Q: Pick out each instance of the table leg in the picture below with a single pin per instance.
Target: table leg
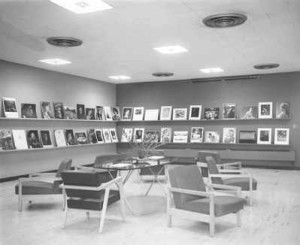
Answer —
(155, 180)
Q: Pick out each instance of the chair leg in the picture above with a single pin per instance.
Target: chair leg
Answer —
(64, 200)
(169, 220)
(88, 215)
(103, 212)
(250, 192)
(122, 200)
(212, 227)
(20, 197)
(239, 220)
(66, 214)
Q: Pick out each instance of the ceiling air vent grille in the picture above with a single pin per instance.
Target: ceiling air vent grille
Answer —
(224, 20)
(64, 41)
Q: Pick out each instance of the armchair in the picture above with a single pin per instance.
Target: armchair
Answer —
(40, 184)
(192, 199)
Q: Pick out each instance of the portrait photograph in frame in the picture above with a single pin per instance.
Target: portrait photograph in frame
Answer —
(138, 114)
(283, 110)
(211, 113)
(28, 110)
(248, 112)
(265, 110)
(165, 113)
(33, 139)
(100, 113)
(99, 135)
(80, 108)
(195, 112)
(6, 140)
(108, 113)
(46, 110)
(229, 111)
(126, 135)
(229, 135)
(116, 113)
(264, 136)
(165, 135)
(179, 113)
(91, 134)
(282, 136)
(247, 136)
(46, 139)
(127, 113)
(212, 137)
(90, 113)
(113, 135)
(58, 110)
(138, 135)
(106, 134)
(70, 138)
(197, 134)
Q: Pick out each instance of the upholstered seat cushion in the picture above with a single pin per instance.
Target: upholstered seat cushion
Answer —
(223, 205)
(242, 182)
(38, 188)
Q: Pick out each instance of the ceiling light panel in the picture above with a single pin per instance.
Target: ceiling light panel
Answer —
(82, 6)
(212, 70)
(120, 77)
(56, 61)
(171, 49)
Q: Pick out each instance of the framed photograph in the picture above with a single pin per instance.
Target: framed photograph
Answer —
(197, 134)
(180, 136)
(106, 134)
(70, 112)
(151, 114)
(20, 139)
(46, 139)
(165, 113)
(229, 135)
(138, 114)
(28, 110)
(60, 137)
(33, 139)
(126, 135)
(127, 113)
(195, 112)
(211, 113)
(229, 111)
(46, 110)
(166, 135)
(248, 112)
(116, 116)
(108, 113)
(100, 113)
(81, 136)
(90, 113)
(282, 136)
(58, 110)
(70, 137)
(283, 110)
(265, 110)
(212, 137)
(91, 134)
(6, 140)
(80, 111)
(113, 135)
(179, 114)
(152, 136)
(247, 136)
(264, 136)
(99, 135)
(10, 107)
(138, 134)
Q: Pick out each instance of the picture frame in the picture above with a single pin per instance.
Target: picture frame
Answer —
(165, 113)
(10, 107)
(265, 110)
(126, 135)
(46, 110)
(113, 135)
(138, 114)
(264, 136)
(229, 111)
(165, 135)
(28, 110)
(197, 134)
(69, 112)
(229, 135)
(80, 108)
(99, 136)
(179, 113)
(60, 137)
(116, 116)
(283, 110)
(249, 112)
(180, 136)
(138, 134)
(89, 113)
(91, 134)
(108, 113)
(33, 139)
(20, 139)
(46, 138)
(70, 137)
(247, 136)
(151, 114)
(152, 136)
(58, 110)
(106, 135)
(212, 137)
(195, 112)
(127, 113)
(6, 140)
(211, 113)
(99, 113)
(81, 136)
(282, 136)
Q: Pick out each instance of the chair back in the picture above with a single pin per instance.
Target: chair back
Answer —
(185, 177)
(213, 169)
(202, 158)
(64, 165)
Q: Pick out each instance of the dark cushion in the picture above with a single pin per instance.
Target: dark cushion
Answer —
(155, 169)
(32, 187)
(242, 182)
(64, 165)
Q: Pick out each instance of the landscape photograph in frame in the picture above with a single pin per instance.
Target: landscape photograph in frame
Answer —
(247, 136)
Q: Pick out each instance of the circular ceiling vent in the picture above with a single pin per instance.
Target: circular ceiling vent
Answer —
(64, 41)
(162, 74)
(266, 66)
(224, 20)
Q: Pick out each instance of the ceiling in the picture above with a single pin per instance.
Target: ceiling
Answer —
(120, 41)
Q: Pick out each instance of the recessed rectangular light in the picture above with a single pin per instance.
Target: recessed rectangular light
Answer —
(120, 77)
(212, 70)
(56, 61)
(171, 49)
(82, 6)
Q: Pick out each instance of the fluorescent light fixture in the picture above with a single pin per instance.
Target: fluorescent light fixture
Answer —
(171, 49)
(212, 70)
(82, 6)
(120, 77)
(56, 61)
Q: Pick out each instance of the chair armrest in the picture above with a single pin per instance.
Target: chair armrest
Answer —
(224, 187)
(231, 176)
(233, 171)
(190, 192)
(238, 164)
(33, 175)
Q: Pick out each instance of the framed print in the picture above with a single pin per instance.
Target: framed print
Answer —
(248, 112)
(90, 113)
(60, 137)
(80, 111)
(179, 114)
(283, 110)
(70, 112)
(247, 136)
(211, 113)
(100, 113)
(151, 114)
(197, 134)
(46, 110)
(116, 113)
(180, 136)
(28, 110)
(70, 137)
(20, 139)
(58, 110)
(92, 136)
(33, 139)
(165, 113)
(212, 137)
(10, 107)
(282, 136)
(46, 138)
(265, 110)
(6, 140)
(108, 113)
(113, 135)
(138, 135)
(138, 114)
(81, 136)
(264, 136)
(106, 135)
(99, 135)
(229, 111)
(127, 113)
(165, 135)
(229, 135)
(126, 135)
(151, 136)
(195, 112)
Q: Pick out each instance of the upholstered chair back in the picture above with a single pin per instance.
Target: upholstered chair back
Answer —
(213, 169)
(64, 165)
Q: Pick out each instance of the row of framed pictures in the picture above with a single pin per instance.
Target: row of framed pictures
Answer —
(27, 139)
(264, 110)
(198, 135)
(60, 111)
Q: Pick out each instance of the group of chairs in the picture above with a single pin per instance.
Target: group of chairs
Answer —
(193, 190)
